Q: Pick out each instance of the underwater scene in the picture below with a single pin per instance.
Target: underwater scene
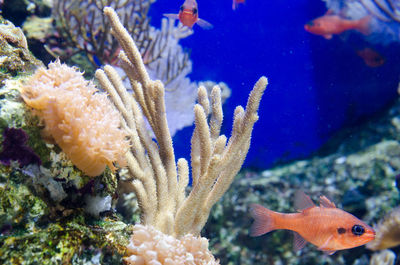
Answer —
(195, 132)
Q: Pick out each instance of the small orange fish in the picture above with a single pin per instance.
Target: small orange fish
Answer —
(235, 3)
(330, 24)
(189, 15)
(371, 57)
(327, 227)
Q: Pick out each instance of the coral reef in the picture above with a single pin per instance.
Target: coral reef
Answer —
(80, 119)
(387, 231)
(56, 214)
(150, 246)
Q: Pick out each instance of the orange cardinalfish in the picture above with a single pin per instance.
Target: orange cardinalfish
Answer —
(189, 15)
(371, 57)
(326, 226)
(235, 3)
(330, 24)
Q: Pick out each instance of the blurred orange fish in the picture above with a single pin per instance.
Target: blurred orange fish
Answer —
(327, 227)
(235, 3)
(330, 24)
(371, 57)
(189, 15)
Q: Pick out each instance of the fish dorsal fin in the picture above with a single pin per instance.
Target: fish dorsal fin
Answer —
(329, 12)
(302, 201)
(298, 241)
(325, 202)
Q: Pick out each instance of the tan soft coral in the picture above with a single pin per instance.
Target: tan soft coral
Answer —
(81, 120)
(150, 246)
(387, 231)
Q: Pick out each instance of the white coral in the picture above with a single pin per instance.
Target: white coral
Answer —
(149, 246)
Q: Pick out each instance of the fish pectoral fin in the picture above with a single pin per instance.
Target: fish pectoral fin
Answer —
(328, 36)
(204, 24)
(324, 247)
(298, 241)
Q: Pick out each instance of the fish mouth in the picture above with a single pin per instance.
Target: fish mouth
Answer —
(370, 235)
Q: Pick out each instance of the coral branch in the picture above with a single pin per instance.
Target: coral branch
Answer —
(159, 182)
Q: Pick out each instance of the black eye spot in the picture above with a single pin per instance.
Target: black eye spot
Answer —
(181, 8)
(194, 11)
(358, 230)
(341, 230)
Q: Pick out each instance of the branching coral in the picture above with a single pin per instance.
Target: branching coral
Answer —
(387, 232)
(81, 120)
(157, 180)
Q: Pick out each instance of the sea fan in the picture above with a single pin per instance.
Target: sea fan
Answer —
(81, 120)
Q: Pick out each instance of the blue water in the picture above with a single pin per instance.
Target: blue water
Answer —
(317, 86)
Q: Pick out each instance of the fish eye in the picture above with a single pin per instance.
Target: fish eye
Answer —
(341, 230)
(194, 11)
(357, 230)
(181, 8)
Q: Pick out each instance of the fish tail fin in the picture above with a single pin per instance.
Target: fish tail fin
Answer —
(263, 220)
(364, 26)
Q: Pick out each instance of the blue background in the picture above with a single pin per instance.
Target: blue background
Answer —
(317, 86)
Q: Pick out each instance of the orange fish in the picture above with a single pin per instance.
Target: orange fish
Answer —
(371, 58)
(235, 3)
(327, 227)
(330, 24)
(189, 15)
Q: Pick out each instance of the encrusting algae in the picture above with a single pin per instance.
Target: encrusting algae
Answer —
(81, 120)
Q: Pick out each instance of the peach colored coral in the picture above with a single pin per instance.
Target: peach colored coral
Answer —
(81, 120)
(149, 246)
